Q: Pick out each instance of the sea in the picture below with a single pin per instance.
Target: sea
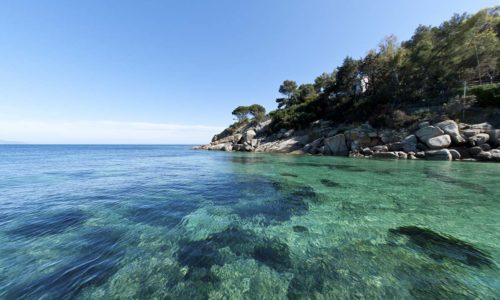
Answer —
(168, 222)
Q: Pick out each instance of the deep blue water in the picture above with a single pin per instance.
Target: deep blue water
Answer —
(167, 222)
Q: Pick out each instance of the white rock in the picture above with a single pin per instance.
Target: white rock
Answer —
(439, 142)
(426, 133)
(451, 128)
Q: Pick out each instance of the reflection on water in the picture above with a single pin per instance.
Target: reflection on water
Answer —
(165, 222)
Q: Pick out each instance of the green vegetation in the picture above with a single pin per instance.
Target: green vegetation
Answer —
(487, 95)
(244, 113)
(390, 84)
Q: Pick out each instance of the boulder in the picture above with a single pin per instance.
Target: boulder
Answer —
(451, 128)
(428, 132)
(479, 139)
(483, 127)
(410, 143)
(439, 142)
(420, 154)
(367, 151)
(254, 143)
(216, 147)
(423, 124)
(227, 147)
(484, 155)
(475, 150)
(443, 154)
(248, 136)
(494, 136)
(336, 145)
(313, 147)
(402, 155)
(470, 132)
(385, 155)
(485, 147)
(455, 154)
(398, 146)
(380, 148)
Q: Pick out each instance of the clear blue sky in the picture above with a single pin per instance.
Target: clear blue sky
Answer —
(90, 71)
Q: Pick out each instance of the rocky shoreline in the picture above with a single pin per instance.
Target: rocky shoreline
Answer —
(446, 140)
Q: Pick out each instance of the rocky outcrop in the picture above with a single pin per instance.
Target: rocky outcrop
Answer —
(445, 140)
(336, 145)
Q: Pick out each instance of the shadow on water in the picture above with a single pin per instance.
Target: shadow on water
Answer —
(242, 243)
(48, 224)
(98, 258)
(460, 183)
(440, 247)
(329, 183)
(289, 175)
(279, 203)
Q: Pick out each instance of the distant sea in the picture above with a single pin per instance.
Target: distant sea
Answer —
(167, 222)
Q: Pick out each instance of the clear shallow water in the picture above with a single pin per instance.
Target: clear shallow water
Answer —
(166, 222)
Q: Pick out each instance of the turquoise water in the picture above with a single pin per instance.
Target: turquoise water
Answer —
(166, 222)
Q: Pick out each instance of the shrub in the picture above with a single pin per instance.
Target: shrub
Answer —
(487, 95)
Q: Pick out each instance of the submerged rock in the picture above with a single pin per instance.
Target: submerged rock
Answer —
(439, 246)
(329, 183)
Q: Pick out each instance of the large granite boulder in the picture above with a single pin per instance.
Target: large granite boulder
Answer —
(455, 154)
(336, 145)
(482, 127)
(494, 136)
(470, 132)
(484, 155)
(439, 142)
(443, 154)
(428, 132)
(479, 139)
(410, 143)
(451, 128)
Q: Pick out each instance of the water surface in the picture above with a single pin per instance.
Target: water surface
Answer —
(166, 222)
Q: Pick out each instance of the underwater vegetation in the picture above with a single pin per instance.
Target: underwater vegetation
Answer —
(438, 246)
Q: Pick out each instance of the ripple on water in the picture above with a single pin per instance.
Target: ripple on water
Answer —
(97, 260)
(49, 223)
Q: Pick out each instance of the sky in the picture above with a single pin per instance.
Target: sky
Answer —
(171, 72)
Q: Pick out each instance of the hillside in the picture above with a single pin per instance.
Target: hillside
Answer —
(448, 73)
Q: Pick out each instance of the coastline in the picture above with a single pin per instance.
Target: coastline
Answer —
(444, 140)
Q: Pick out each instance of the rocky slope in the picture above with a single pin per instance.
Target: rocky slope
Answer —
(445, 140)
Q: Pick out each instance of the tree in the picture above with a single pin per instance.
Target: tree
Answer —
(257, 111)
(288, 87)
(241, 113)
